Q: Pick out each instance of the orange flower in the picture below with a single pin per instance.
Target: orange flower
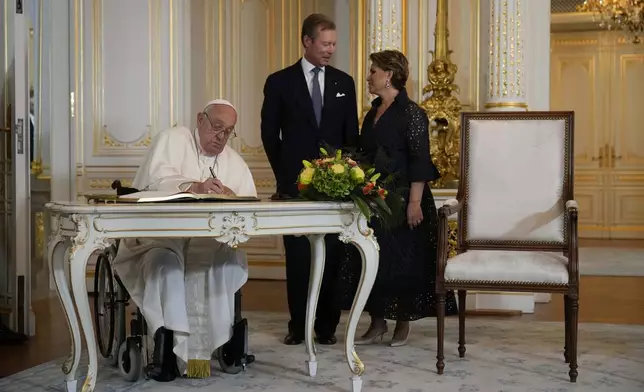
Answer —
(300, 186)
(368, 188)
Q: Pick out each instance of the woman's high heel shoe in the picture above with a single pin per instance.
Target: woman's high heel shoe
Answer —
(366, 339)
(400, 342)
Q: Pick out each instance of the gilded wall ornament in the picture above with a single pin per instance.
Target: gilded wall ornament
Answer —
(443, 109)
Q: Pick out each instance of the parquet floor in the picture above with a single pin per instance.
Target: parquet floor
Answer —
(616, 300)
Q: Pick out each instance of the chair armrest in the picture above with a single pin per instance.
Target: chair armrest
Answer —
(450, 207)
(572, 204)
(572, 210)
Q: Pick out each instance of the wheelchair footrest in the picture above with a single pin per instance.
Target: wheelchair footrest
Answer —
(233, 356)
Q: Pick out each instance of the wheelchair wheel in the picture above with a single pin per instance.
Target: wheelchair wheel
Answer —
(130, 360)
(104, 305)
(227, 360)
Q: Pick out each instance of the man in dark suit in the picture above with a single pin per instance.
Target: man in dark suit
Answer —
(307, 105)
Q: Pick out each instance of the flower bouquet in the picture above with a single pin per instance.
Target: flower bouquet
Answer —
(338, 177)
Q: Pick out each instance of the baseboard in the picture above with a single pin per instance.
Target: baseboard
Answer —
(500, 301)
(266, 273)
(492, 312)
(542, 298)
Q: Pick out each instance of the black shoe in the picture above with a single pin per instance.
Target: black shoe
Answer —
(164, 361)
(293, 340)
(327, 339)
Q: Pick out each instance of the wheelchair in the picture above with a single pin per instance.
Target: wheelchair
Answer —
(129, 352)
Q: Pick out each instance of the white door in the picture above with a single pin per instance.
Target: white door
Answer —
(15, 157)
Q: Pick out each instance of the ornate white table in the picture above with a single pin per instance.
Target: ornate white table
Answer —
(83, 229)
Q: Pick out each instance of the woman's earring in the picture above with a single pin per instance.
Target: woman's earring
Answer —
(387, 85)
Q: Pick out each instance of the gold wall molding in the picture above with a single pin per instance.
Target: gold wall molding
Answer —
(214, 26)
(464, 22)
(5, 57)
(247, 30)
(77, 94)
(357, 49)
(631, 178)
(442, 106)
(38, 164)
(575, 42)
(277, 45)
(163, 106)
(104, 142)
(107, 183)
(266, 183)
(39, 235)
(598, 76)
(126, 180)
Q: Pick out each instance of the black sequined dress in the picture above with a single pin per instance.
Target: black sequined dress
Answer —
(405, 285)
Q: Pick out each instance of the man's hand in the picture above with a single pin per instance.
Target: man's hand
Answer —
(211, 185)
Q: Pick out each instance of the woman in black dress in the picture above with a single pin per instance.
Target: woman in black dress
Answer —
(395, 138)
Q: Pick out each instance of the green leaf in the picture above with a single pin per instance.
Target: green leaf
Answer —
(307, 163)
(382, 204)
(375, 177)
(323, 151)
(338, 154)
(362, 206)
(370, 171)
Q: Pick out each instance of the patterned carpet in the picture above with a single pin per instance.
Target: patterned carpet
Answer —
(505, 355)
(611, 261)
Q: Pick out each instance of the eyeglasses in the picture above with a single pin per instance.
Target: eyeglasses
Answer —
(220, 130)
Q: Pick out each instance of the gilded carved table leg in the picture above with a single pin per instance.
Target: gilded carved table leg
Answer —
(318, 257)
(79, 257)
(84, 245)
(57, 257)
(362, 237)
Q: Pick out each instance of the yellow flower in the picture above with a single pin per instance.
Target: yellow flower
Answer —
(357, 174)
(337, 168)
(307, 175)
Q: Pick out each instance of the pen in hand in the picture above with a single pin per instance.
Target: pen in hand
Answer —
(212, 172)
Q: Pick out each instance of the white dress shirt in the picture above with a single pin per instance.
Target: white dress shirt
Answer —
(307, 67)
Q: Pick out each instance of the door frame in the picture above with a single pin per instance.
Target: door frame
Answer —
(22, 320)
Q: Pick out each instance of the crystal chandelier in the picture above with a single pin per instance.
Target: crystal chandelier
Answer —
(627, 15)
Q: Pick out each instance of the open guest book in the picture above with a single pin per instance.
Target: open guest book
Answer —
(160, 197)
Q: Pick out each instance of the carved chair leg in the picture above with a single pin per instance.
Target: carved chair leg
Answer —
(567, 328)
(462, 295)
(440, 323)
(574, 325)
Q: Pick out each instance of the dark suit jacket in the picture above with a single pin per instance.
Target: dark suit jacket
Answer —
(290, 132)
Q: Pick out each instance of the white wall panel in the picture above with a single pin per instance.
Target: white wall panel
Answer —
(128, 80)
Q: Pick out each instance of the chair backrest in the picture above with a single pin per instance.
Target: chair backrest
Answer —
(516, 176)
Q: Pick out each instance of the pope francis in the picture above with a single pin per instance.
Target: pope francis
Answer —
(185, 288)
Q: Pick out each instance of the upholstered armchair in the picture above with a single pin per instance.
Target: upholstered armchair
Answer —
(517, 217)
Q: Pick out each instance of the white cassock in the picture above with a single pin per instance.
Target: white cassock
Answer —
(186, 285)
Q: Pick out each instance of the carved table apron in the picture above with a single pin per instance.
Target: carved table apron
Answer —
(78, 229)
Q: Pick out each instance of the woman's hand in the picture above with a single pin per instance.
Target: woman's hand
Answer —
(414, 214)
